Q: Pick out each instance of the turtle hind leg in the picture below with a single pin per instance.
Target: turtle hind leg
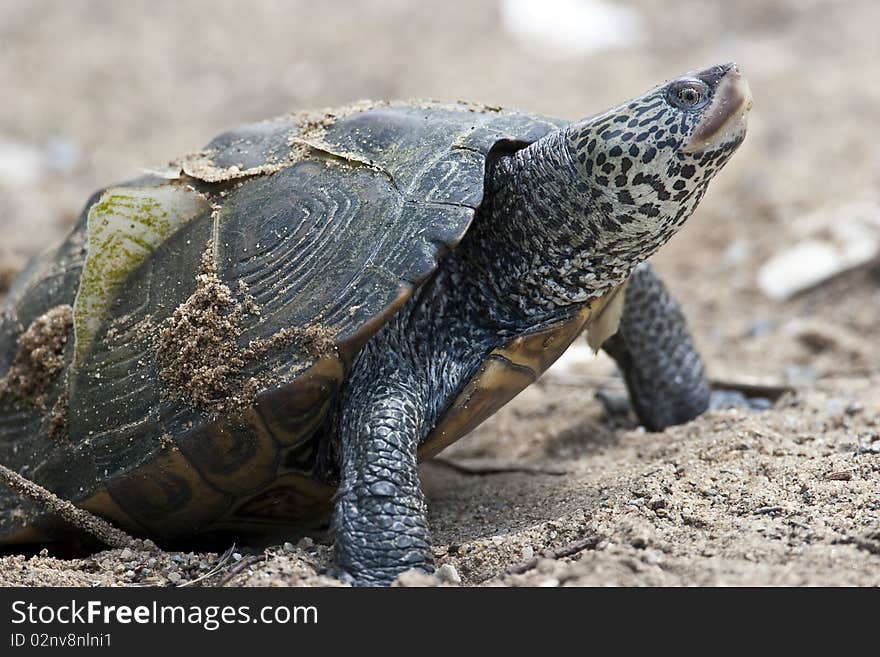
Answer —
(379, 518)
(653, 348)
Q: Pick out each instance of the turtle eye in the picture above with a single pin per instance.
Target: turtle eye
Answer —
(689, 94)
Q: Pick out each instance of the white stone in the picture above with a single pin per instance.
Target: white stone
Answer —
(447, 573)
(832, 241)
(562, 29)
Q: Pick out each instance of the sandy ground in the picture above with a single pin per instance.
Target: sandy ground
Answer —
(94, 90)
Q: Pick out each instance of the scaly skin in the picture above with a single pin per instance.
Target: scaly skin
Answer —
(564, 221)
(400, 383)
(653, 349)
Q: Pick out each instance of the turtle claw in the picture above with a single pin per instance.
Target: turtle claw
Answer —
(618, 406)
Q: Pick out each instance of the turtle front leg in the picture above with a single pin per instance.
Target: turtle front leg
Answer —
(663, 371)
(380, 516)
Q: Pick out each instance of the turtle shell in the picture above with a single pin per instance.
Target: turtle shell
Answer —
(197, 323)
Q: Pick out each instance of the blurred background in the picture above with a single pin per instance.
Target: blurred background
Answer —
(772, 268)
(778, 269)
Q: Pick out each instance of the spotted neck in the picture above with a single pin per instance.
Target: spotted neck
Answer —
(554, 237)
(567, 218)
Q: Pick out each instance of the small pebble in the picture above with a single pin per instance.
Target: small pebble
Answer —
(288, 547)
(528, 552)
(769, 510)
(173, 577)
(658, 503)
(125, 554)
(447, 573)
(236, 556)
(652, 557)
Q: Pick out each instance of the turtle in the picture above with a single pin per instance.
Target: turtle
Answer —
(276, 329)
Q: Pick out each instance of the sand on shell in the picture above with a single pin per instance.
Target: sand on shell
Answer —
(39, 359)
(198, 351)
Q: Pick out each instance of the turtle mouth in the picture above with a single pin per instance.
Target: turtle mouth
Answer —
(726, 118)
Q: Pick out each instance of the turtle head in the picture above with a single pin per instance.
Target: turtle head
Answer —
(714, 105)
(584, 205)
(648, 162)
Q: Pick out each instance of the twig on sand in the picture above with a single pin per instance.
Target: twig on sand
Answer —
(754, 388)
(474, 469)
(238, 567)
(586, 543)
(568, 380)
(79, 518)
(226, 556)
